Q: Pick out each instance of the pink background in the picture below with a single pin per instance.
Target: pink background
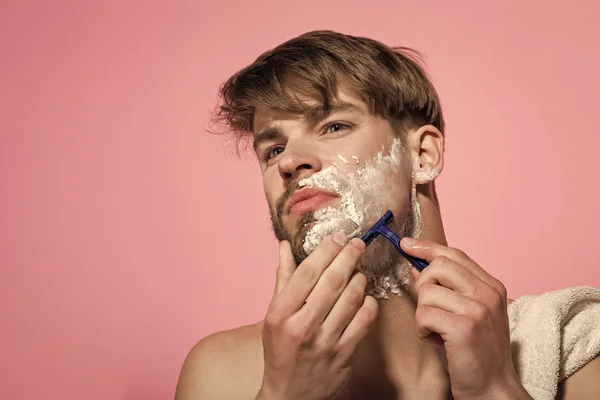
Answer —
(127, 233)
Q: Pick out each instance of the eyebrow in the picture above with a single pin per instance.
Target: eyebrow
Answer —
(319, 112)
(267, 134)
(314, 115)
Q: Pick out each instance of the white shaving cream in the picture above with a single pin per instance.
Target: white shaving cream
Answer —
(343, 159)
(426, 174)
(364, 199)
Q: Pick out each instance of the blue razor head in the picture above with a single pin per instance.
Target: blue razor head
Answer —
(374, 231)
(380, 228)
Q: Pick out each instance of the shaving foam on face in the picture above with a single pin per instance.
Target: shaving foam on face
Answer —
(343, 159)
(364, 195)
(425, 175)
(352, 188)
(416, 209)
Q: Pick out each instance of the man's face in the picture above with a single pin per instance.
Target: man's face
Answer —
(339, 172)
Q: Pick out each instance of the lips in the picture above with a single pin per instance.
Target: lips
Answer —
(308, 199)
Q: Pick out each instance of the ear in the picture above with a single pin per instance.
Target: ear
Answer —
(427, 154)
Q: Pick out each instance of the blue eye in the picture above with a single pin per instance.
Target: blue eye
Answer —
(335, 127)
(272, 152)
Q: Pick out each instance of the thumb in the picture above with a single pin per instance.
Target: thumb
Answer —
(286, 268)
(414, 273)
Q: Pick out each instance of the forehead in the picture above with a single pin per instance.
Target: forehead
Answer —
(345, 101)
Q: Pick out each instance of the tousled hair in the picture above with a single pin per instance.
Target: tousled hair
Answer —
(390, 81)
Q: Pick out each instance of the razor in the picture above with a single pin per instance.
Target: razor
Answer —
(380, 228)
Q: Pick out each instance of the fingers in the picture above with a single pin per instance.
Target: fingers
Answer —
(332, 282)
(303, 280)
(450, 274)
(346, 307)
(286, 268)
(457, 276)
(360, 325)
(431, 319)
(455, 295)
(437, 296)
(431, 251)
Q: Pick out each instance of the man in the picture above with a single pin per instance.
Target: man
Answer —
(345, 129)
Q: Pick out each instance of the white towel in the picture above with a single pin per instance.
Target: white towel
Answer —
(553, 335)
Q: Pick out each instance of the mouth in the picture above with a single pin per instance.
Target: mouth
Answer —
(309, 199)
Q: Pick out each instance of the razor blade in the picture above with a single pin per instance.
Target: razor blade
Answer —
(380, 228)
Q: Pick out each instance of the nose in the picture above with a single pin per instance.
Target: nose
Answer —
(298, 161)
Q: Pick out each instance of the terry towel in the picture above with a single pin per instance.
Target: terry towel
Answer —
(553, 335)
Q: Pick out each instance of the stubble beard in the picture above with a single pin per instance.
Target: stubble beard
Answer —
(302, 224)
(406, 225)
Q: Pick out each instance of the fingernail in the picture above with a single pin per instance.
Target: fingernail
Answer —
(356, 242)
(409, 242)
(340, 238)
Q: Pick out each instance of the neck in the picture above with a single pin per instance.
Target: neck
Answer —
(392, 360)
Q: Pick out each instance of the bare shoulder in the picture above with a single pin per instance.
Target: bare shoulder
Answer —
(583, 384)
(224, 365)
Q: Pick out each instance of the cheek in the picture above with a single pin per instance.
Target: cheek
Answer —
(271, 188)
(348, 159)
(349, 152)
(395, 190)
(392, 186)
(399, 184)
(271, 200)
